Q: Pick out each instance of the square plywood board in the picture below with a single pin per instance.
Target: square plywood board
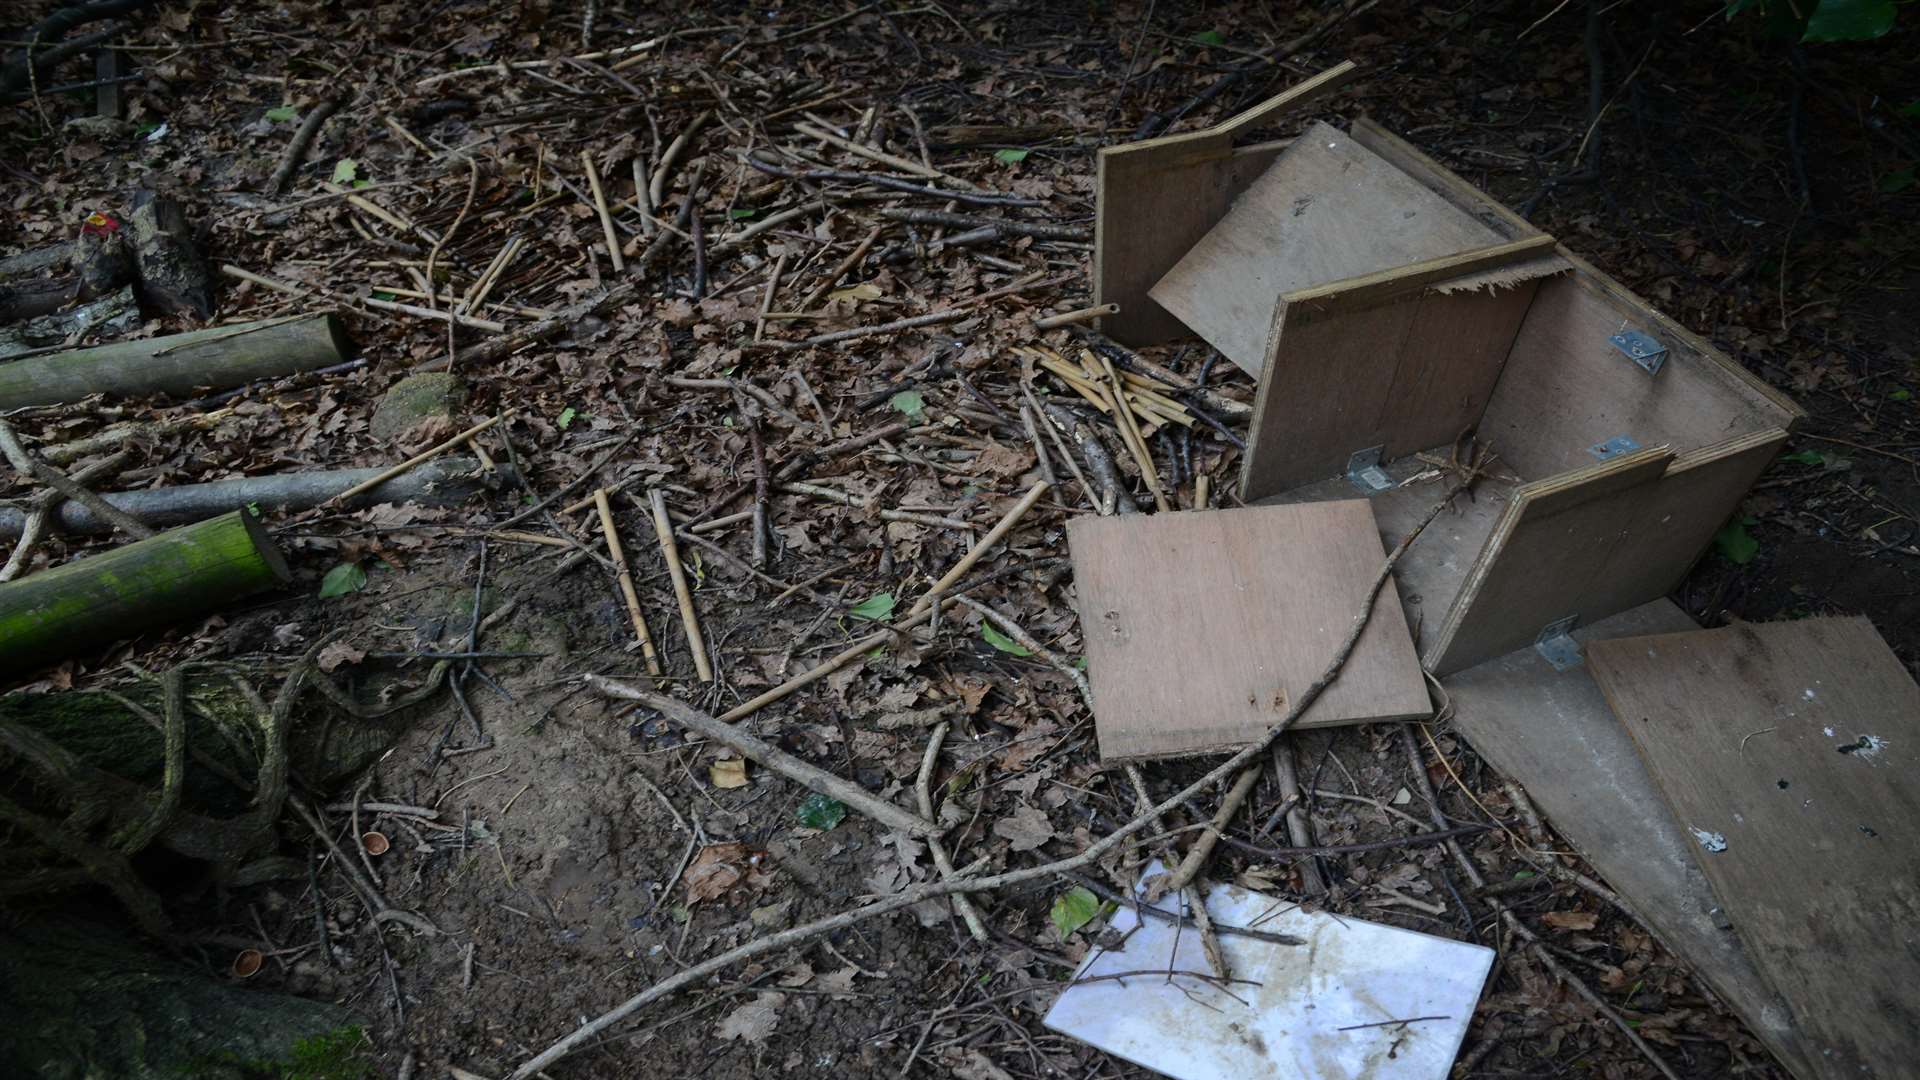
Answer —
(1550, 731)
(1321, 1009)
(1790, 752)
(1328, 209)
(1202, 627)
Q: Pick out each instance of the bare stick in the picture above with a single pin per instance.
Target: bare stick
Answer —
(993, 537)
(1130, 434)
(606, 218)
(834, 663)
(1298, 827)
(24, 462)
(765, 754)
(766, 302)
(41, 512)
(900, 163)
(663, 528)
(625, 576)
(833, 276)
(1078, 315)
(1027, 641)
(591, 1030)
(931, 319)
(415, 461)
(923, 790)
(759, 511)
(1196, 859)
(302, 138)
(657, 190)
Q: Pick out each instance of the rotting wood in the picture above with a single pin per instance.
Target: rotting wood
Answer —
(179, 574)
(179, 364)
(173, 274)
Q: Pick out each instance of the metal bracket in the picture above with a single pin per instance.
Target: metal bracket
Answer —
(1641, 348)
(1556, 643)
(1365, 473)
(1613, 448)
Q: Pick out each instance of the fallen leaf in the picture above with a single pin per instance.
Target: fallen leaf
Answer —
(337, 654)
(716, 869)
(1027, 827)
(1073, 909)
(728, 773)
(753, 1021)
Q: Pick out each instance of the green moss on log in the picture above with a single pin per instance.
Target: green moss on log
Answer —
(180, 574)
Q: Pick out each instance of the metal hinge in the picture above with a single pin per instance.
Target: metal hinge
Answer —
(1556, 643)
(1613, 448)
(1641, 348)
(1365, 473)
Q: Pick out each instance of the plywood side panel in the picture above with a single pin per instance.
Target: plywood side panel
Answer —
(1791, 748)
(1327, 210)
(1154, 200)
(1591, 548)
(1409, 373)
(1566, 387)
(1551, 732)
(1451, 187)
(1538, 564)
(1202, 628)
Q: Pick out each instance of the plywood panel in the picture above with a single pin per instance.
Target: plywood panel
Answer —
(1327, 209)
(1431, 572)
(1155, 199)
(1792, 746)
(1411, 372)
(1451, 187)
(1551, 732)
(1596, 541)
(1201, 628)
(1565, 387)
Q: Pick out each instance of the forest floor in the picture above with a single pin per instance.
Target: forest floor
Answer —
(581, 850)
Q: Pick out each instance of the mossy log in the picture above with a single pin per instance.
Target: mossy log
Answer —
(178, 365)
(179, 574)
(441, 482)
(83, 999)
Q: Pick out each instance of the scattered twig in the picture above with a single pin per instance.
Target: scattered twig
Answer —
(625, 576)
(663, 529)
(296, 153)
(923, 792)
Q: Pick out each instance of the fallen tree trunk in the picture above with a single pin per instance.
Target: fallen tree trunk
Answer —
(41, 282)
(443, 482)
(177, 575)
(178, 365)
(173, 276)
(112, 315)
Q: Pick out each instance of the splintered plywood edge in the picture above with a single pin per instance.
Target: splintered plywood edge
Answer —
(1551, 732)
(1201, 628)
(1328, 209)
(1791, 753)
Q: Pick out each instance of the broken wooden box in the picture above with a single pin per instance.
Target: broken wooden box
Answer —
(1387, 308)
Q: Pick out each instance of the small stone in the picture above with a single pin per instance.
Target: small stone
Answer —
(416, 405)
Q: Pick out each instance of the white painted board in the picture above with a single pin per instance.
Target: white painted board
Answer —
(1304, 1019)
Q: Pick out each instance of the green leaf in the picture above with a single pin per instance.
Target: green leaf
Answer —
(1002, 642)
(1805, 457)
(282, 114)
(875, 608)
(1900, 395)
(1010, 156)
(736, 215)
(1897, 181)
(1911, 110)
(1850, 20)
(1073, 909)
(565, 419)
(1522, 875)
(381, 294)
(910, 402)
(346, 171)
(362, 183)
(343, 579)
(821, 812)
(1210, 37)
(1736, 543)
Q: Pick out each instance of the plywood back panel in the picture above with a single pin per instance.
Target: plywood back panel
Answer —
(1202, 628)
(1328, 209)
(1596, 541)
(1407, 373)
(1468, 198)
(1791, 749)
(1155, 199)
(1565, 387)
(1551, 732)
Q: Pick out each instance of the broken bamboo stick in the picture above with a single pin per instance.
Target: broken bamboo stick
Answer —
(663, 528)
(625, 575)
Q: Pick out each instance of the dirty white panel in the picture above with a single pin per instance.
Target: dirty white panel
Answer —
(1304, 1019)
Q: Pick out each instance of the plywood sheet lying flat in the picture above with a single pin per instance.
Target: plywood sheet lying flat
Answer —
(1791, 751)
(1328, 209)
(1201, 628)
(1551, 732)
